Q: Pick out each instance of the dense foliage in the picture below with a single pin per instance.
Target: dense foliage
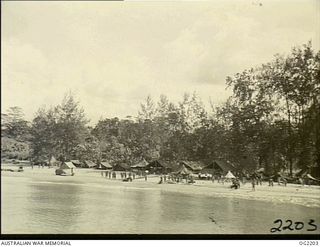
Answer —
(271, 121)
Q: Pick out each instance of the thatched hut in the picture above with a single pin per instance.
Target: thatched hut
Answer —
(88, 164)
(121, 167)
(140, 165)
(183, 172)
(161, 167)
(218, 167)
(76, 163)
(104, 165)
(66, 169)
(194, 166)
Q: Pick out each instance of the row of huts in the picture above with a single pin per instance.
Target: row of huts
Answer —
(201, 169)
(215, 167)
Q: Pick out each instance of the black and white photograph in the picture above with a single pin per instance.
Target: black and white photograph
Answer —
(160, 118)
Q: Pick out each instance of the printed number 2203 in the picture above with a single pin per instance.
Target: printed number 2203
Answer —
(292, 226)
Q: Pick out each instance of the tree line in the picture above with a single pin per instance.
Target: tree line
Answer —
(271, 121)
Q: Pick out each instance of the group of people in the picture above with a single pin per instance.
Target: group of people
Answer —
(255, 178)
(109, 174)
(125, 176)
(172, 178)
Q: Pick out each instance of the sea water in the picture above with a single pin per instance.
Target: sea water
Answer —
(63, 206)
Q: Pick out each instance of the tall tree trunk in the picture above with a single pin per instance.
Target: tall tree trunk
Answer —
(317, 131)
(290, 137)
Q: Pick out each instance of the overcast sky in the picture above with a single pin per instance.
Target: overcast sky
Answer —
(112, 55)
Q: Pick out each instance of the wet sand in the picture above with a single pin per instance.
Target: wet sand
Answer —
(293, 193)
(38, 201)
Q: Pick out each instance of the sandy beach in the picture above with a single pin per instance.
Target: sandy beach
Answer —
(293, 193)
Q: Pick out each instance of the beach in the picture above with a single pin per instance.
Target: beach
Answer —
(38, 201)
(292, 193)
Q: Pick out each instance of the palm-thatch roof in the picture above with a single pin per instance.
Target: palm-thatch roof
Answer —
(67, 165)
(77, 163)
(104, 165)
(141, 164)
(89, 164)
(163, 164)
(194, 166)
(219, 166)
(183, 170)
(121, 167)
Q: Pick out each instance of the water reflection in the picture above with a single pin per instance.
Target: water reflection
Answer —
(56, 205)
(61, 206)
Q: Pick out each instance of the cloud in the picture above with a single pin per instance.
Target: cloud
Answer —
(113, 55)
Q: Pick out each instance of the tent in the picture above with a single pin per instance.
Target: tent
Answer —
(229, 175)
(53, 161)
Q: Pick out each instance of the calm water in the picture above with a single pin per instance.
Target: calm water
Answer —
(30, 205)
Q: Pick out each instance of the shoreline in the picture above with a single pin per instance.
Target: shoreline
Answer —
(308, 196)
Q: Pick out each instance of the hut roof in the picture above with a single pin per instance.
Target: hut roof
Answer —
(141, 164)
(121, 166)
(225, 166)
(76, 162)
(90, 163)
(105, 164)
(67, 165)
(183, 170)
(193, 165)
(163, 163)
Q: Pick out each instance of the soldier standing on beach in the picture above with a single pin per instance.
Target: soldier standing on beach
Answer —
(253, 182)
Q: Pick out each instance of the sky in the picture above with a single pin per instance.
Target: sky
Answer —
(112, 55)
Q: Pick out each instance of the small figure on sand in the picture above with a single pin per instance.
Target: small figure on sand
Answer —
(259, 176)
(253, 182)
(235, 183)
(270, 182)
(282, 180)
